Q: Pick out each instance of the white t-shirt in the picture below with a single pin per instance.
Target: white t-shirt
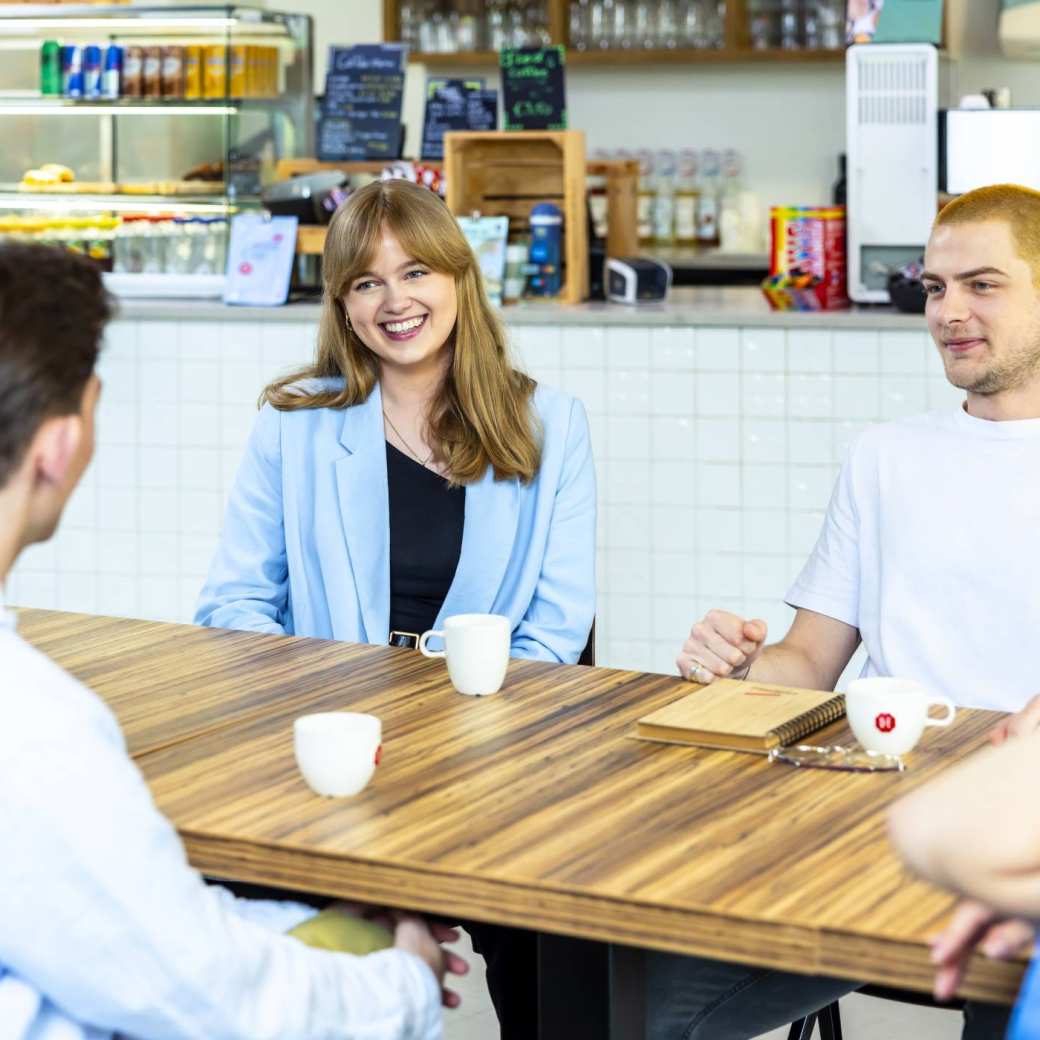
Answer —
(931, 548)
(105, 928)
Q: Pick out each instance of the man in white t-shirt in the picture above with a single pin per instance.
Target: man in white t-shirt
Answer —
(104, 927)
(929, 556)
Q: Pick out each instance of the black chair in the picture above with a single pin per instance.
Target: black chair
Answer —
(588, 655)
(829, 1017)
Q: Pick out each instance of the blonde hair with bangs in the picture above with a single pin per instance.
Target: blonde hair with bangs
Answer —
(1016, 206)
(482, 415)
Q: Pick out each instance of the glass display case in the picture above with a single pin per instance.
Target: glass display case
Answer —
(134, 133)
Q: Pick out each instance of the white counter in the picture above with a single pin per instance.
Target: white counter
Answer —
(717, 427)
(707, 306)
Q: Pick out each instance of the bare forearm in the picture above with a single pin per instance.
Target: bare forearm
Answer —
(976, 829)
(785, 665)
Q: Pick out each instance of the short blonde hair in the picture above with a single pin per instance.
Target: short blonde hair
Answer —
(1017, 206)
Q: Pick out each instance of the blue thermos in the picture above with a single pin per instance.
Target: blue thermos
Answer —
(544, 255)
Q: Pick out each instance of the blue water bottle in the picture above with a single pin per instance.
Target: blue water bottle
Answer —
(544, 255)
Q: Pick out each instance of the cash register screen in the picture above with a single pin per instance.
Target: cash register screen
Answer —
(992, 146)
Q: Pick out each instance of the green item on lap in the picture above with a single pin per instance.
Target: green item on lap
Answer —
(343, 933)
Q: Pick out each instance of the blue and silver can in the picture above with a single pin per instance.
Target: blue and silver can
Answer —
(72, 70)
(111, 78)
(92, 71)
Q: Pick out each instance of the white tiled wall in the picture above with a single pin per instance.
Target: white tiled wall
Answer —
(716, 450)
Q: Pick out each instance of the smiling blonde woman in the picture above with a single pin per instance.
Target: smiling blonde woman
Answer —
(411, 472)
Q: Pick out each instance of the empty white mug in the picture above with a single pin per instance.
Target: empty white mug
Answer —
(337, 751)
(889, 715)
(477, 649)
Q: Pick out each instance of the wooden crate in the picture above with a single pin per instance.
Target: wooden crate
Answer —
(505, 173)
(622, 177)
(622, 181)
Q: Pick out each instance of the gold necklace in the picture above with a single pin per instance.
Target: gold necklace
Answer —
(422, 462)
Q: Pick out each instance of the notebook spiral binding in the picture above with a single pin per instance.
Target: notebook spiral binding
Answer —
(810, 721)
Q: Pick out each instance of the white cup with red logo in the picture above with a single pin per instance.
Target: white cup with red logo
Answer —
(888, 715)
(337, 751)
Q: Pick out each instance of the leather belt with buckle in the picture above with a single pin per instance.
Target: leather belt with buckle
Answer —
(410, 640)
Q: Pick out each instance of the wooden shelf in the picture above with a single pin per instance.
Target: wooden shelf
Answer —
(674, 56)
(737, 47)
(695, 56)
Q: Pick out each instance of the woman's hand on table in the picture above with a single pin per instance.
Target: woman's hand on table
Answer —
(721, 645)
(1017, 724)
(974, 925)
(423, 938)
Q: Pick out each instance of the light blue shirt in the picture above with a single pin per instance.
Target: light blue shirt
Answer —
(1025, 1022)
(104, 927)
(306, 543)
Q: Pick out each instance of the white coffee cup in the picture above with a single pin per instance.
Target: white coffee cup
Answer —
(337, 751)
(477, 649)
(889, 715)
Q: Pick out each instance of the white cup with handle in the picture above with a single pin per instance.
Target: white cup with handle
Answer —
(888, 715)
(476, 647)
(337, 751)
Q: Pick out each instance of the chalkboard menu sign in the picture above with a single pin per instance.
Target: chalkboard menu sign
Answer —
(532, 88)
(361, 109)
(455, 104)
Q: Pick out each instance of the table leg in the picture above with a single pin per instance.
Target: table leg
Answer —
(589, 990)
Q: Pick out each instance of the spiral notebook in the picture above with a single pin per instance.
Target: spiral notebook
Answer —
(742, 716)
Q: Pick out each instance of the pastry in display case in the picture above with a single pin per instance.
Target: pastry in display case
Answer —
(133, 134)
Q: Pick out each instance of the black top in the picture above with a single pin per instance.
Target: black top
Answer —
(426, 519)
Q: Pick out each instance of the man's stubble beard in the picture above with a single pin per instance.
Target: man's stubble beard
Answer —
(1011, 373)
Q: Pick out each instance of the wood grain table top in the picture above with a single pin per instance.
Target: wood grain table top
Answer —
(533, 807)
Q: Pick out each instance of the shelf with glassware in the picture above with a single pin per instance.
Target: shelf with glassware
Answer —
(636, 32)
(225, 93)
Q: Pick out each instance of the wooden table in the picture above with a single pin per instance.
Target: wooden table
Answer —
(534, 807)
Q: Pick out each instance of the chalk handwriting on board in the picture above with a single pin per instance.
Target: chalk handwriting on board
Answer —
(533, 88)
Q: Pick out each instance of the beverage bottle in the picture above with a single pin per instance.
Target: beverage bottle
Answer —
(839, 193)
(601, 23)
(50, 68)
(644, 24)
(668, 24)
(579, 24)
(544, 255)
(708, 201)
(645, 196)
(790, 25)
(686, 196)
(664, 202)
(621, 31)
(760, 21)
(732, 238)
(596, 193)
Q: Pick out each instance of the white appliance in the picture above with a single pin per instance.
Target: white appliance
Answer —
(892, 127)
(992, 146)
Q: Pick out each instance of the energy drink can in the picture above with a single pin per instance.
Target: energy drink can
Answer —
(50, 69)
(111, 78)
(92, 71)
(72, 71)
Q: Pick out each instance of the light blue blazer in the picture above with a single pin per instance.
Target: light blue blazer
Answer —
(306, 543)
